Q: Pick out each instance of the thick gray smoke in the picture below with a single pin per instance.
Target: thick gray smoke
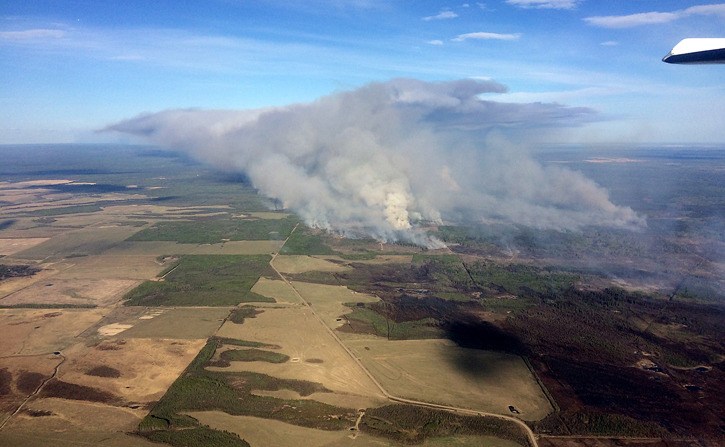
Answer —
(388, 158)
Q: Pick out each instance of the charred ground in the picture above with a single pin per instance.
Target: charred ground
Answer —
(616, 362)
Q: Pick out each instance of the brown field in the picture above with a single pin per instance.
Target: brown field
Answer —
(12, 285)
(328, 300)
(302, 263)
(301, 337)
(277, 289)
(268, 215)
(21, 376)
(440, 372)
(37, 435)
(146, 367)
(60, 200)
(261, 432)
(337, 399)
(138, 267)
(176, 323)
(167, 212)
(73, 423)
(10, 246)
(85, 241)
(43, 331)
(55, 291)
(159, 248)
(267, 432)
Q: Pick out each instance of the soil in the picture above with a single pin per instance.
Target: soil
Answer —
(104, 371)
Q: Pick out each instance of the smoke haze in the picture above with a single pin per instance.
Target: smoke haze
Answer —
(388, 158)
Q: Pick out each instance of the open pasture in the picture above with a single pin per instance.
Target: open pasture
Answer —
(85, 241)
(55, 204)
(10, 246)
(304, 263)
(217, 229)
(273, 215)
(440, 372)
(12, 285)
(20, 377)
(136, 370)
(259, 431)
(43, 331)
(134, 267)
(56, 292)
(328, 300)
(144, 210)
(262, 432)
(71, 423)
(159, 248)
(302, 337)
(276, 289)
(172, 323)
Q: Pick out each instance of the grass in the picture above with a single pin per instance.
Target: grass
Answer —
(445, 271)
(519, 279)
(216, 230)
(377, 323)
(48, 306)
(214, 280)
(74, 209)
(306, 241)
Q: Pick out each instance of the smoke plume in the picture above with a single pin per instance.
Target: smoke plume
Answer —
(388, 158)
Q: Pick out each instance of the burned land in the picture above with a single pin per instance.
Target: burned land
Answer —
(587, 345)
(17, 271)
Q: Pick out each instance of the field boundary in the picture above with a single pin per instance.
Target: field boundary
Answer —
(529, 433)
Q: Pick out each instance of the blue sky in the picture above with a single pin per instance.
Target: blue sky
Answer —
(68, 68)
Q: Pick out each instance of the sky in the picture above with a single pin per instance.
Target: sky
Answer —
(69, 68)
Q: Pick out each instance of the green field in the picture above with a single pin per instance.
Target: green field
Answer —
(306, 241)
(205, 280)
(215, 230)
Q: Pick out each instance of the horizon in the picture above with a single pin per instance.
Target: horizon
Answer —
(70, 69)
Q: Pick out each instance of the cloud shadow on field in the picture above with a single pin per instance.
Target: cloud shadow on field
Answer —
(480, 335)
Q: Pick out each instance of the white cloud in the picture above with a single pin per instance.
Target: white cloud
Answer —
(716, 9)
(435, 42)
(486, 36)
(654, 17)
(544, 4)
(609, 43)
(32, 34)
(443, 15)
(644, 18)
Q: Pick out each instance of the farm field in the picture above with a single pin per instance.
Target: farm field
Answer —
(159, 248)
(440, 372)
(314, 355)
(182, 307)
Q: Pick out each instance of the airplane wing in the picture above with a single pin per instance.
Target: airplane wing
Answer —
(697, 51)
